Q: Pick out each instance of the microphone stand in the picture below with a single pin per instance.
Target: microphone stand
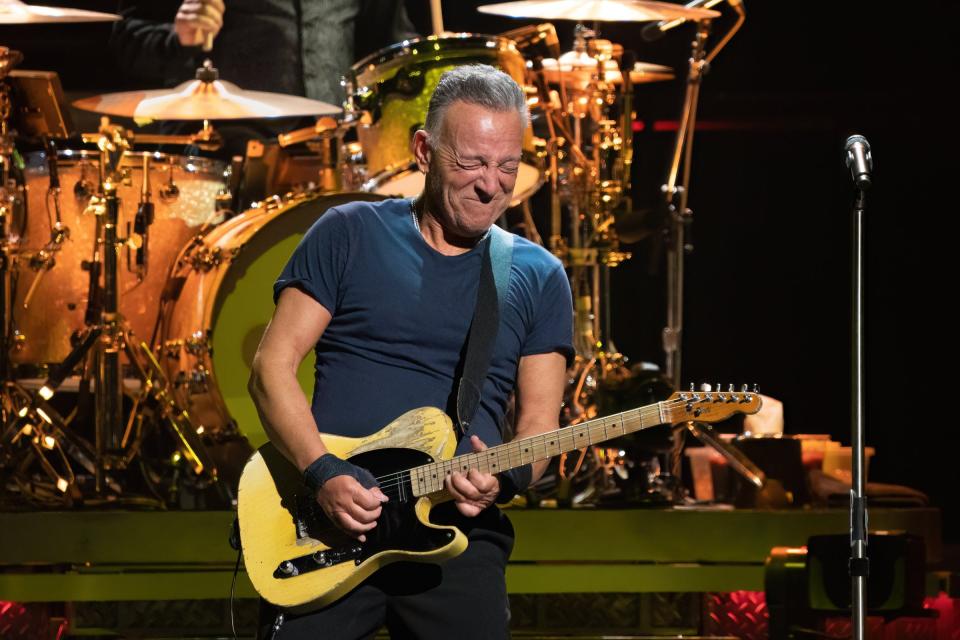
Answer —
(859, 562)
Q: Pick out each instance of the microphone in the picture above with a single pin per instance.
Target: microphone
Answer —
(653, 32)
(859, 160)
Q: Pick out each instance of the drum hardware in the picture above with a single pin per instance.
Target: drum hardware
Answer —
(107, 336)
(11, 206)
(587, 99)
(206, 139)
(676, 192)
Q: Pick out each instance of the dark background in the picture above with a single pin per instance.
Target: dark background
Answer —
(769, 284)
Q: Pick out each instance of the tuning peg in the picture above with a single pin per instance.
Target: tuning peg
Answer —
(755, 388)
(705, 387)
(693, 387)
(744, 388)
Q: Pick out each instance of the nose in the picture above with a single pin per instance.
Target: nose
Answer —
(487, 185)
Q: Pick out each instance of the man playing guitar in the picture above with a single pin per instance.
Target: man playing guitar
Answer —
(384, 292)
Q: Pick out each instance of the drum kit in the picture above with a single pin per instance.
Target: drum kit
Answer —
(127, 276)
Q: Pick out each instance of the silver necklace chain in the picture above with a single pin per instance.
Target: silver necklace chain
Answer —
(413, 214)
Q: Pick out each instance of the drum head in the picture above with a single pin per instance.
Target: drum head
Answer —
(244, 304)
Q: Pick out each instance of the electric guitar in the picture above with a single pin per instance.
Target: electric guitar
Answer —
(298, 560)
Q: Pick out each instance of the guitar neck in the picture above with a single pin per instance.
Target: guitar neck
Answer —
(428, 478)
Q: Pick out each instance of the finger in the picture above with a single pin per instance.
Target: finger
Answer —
(468, 509)
(381, 496)
(348, 524)
(365, 516)
(212, 13)
(216, 5)
(477, 443)
(366, 498)
(485, 482)
(196, 21)
(208, 24)
(451, 489)
(465, 487)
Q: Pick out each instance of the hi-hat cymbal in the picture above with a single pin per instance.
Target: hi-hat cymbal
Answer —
(16, 12)
(206, 98)
(576, 69)
(597, 10)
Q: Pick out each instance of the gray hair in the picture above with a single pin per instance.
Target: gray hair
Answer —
(478, 84)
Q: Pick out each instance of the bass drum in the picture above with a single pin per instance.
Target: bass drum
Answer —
(219, 303)
(48, 311)
(390, 91)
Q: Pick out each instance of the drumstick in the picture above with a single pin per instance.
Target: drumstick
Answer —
(436, 16)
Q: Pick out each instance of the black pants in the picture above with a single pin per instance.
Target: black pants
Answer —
(465, 597)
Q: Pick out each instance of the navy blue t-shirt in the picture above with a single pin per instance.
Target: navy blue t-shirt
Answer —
(401, 313)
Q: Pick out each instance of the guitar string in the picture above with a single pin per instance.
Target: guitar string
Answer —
(397, 479)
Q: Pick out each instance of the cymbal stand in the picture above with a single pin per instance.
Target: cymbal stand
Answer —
(676, 195)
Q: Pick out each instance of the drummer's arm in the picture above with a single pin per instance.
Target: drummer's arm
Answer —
(296, 327)
(145, 45)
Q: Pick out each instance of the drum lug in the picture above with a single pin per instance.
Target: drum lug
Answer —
(198, 344)
(204, 259)
(196, 381)
(172, 348)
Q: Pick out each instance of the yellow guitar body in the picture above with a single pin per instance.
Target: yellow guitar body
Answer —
(271, 488)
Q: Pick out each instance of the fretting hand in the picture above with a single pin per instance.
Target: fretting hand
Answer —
(473, 491)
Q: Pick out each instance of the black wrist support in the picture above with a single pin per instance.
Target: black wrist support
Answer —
(330, 466)
(513, 482)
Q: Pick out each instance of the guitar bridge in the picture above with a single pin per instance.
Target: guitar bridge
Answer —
(318, 560)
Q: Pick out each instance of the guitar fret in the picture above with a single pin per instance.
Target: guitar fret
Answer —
(429, 478)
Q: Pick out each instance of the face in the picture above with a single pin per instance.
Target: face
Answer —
(471, 167)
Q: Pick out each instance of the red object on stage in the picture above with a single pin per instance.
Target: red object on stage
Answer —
(739, 613)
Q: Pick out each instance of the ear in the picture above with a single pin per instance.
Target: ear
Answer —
(421, 149)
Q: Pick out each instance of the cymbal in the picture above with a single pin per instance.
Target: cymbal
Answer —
(596, 10)
(204, 100)
(576, 69)
(16, 12)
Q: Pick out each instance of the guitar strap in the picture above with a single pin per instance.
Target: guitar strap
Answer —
(491, 294)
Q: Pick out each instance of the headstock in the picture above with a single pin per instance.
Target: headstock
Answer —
(708, 405)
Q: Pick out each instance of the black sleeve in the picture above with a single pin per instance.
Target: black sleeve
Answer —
(380, 24)
(146, 47)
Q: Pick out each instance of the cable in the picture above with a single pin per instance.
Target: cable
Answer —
(233, 589)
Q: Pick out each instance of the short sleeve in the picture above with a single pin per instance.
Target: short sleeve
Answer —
(552, 328)
(319, 262)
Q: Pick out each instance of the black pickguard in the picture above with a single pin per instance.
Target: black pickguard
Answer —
(398, 528)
